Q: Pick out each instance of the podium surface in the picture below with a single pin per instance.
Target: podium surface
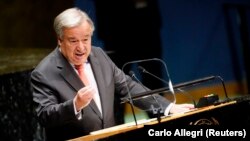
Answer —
(228, 114)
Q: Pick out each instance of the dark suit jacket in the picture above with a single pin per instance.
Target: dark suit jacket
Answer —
(55, 84)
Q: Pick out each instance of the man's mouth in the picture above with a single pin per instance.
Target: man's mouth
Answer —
(79, 54)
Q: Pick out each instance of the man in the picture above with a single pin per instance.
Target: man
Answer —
(68, 106)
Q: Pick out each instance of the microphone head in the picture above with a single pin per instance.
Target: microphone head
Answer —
(131, 73)
(141, 69)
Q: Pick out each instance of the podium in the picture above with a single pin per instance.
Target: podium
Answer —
(232, 114)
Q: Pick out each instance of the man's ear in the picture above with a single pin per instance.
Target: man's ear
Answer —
(59, 41)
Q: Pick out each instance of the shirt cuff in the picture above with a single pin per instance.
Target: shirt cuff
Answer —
(166, 113)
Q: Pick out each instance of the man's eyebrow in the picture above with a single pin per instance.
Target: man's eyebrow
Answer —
(71, 38)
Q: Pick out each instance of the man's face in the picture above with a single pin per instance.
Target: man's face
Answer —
(76, 43)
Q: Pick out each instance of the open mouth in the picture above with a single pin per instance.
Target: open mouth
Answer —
(79, 55)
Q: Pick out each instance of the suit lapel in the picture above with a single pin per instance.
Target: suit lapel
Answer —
(72, 78)
(68, 73)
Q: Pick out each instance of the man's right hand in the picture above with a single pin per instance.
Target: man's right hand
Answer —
(83, 97)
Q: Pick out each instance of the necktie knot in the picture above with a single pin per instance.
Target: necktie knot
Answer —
(79, 67)
(82, 74)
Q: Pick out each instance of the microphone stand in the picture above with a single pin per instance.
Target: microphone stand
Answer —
(143, 70)
(130, 99)
(156, 111)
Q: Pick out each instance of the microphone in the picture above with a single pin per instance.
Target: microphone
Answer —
(132, 74)
(191, 83)
(156, 111)
(180, 85)
(153, 59)
(162, 80)
(168, 83)
(145, 71)
(130, 98)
